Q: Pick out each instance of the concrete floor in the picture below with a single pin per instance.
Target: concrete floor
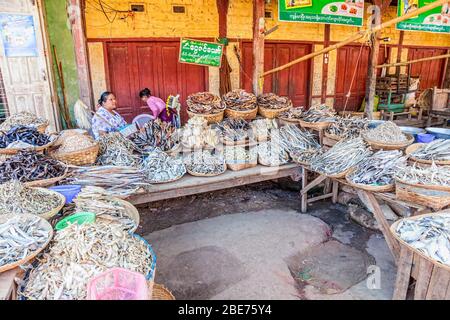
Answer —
(252, 243)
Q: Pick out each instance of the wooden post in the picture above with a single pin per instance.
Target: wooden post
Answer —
(258, 45)
(326, 62)
(399, 51)
(74, 11)
(224, 72)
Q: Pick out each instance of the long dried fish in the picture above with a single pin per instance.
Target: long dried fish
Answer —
(436, 150)
(273, 101)
(379, 169)
(160, 167)
(262, 128)
(156, 133)
(25, 135)
(348, 127)
(341, 157)
(319, 113)
(432, 175)
(235, 129)
(116, 150)
(204, 103)
(294, 139)
(272, 154)
(387, 132)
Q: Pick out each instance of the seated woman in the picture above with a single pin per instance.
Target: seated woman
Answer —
(106, 119)
(157, 106)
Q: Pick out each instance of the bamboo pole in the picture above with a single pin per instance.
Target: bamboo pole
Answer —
(404, 63)
(360, 35)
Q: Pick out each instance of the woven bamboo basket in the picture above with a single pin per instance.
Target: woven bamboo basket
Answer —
(241, 166)
(44, 223)
(196, 174)
(168, 181)
(13, 151)
(46, 182)
(247, 142)
(210, 118)
(78, 158)
(62, 201)
(416, 146)
(160, 292)
(314, 125)
(272, 113)
(286, 121)
(266, 164)
(436, 197)
(386, 188)
(43, 127)
(339, 175)
(246, 115)
(376, 145)
(131, 212)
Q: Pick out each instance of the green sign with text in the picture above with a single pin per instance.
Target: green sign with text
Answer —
(345, 12)
(435, 20)
(201, 52)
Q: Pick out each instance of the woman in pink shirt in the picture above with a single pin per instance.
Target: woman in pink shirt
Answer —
(157, 106)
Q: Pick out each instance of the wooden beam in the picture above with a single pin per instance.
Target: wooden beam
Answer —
(258, 45)
(360, 35)
(326, 62)
(405, 63)
(399, 51)
(224, 71)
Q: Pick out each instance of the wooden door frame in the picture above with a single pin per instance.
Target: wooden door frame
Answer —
(311, 64)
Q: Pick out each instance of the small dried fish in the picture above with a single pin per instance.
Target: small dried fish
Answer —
(239, 100)
(387, 132)
(197, 134)
(160, 167)
(262, 128)
(293, 139)
(17, 198)
(436, 150)
(319, 113)
(23, 118)
(430, 235)
(20, 236)
(305, 156)
(75, 142)
(432, 175)
(205, 162)
(272, 154)
(204, 103)
(348, 127)
(235, 129)
(379, 169)
(272, 101)
(293, 114)
(240, 154)
(116, 150)
(156, 133)
(341, 157)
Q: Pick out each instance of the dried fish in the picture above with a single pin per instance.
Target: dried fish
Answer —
(17, 198)
(119, 181)
(75, 142)
(20, 236)
(436, 150)
(319, 113)
(205, 162)
(430, 235)
(341, 157)
(387, 132)
(305, 156)
(28, 166)
(239, 100)
(26, 135)
(156, 133)
(204, 103)
(292, 114)
(81, 252)
(160, 167)
(379, 169)
(293, 138)
(104, 205)
(432, 175)
(348, 127)
(240, 154)
(235, 129)
(262, 128)
(117, 150)
(197, 134)
(23, 118)
(272, 154)
(272, 101)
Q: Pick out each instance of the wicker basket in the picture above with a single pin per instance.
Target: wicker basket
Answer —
(266, 164)
(13, 151)
(210, 118)
(339, 175)
(46, 182)
(247, 142)
(130, 210)
(272, 113)
(436, 197)
(78, 158)
(246, 115)
(62, 201)
(386, 188)
(416, 146)
(168, 181)
(196, 174)
(160, 292)
(315, 125)
(241, 166)
(286, 121)
(44, 223)
(376, 145)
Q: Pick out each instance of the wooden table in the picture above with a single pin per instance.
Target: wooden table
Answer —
(189, 185)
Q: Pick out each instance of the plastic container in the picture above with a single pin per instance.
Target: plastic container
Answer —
(439, 133)
(68, 191)
(80, 218)
(425, 137)
(413, 130)
(118, 284)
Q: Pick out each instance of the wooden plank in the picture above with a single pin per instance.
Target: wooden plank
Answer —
(304, 197)
(439, 283)
(403, 274)
(325, 196)
(384, 225)
(423, 278)
(189, 185)
(7, 284)
(335, 191)
(313, 184)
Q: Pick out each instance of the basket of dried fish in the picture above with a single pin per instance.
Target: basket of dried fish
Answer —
(239, 158)
(197, 134)
(341, 158)
(235, 132)
(291, 116)
(17, 198)
(240, 105)
(116, 150)
(428, 186)
(262, 128)
(107, 207)
(346, 128)
(377, 173)
(388, 136)
(206, 105)
(33, 169)
(304, 157)
(205, 163)
(27, 119)
(318, 117)
(159, 167)
(22, 237)
(77, 150)
(157, 133)
(437, 151)
(271, 154)
(428, 236)
(271, 106)
(294, 139)
(21, 138)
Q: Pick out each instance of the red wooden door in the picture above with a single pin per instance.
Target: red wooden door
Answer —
(429, 72)
(292, 82)
(154, 65)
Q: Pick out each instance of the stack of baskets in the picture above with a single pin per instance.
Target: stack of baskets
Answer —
(271, 106)
(205, 105)
(240, 105)
(78, 157)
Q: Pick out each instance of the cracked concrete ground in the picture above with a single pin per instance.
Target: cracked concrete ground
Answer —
(252, 243)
